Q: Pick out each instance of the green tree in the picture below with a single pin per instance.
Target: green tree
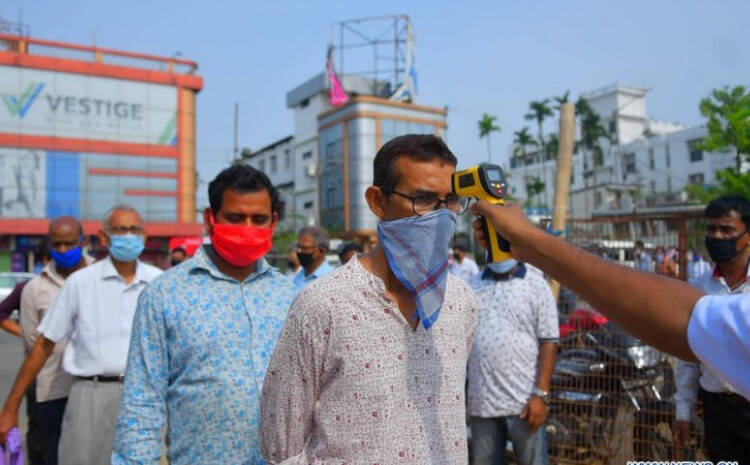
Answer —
(535, 187)
(486, 127)
(592, 130)
(552, 145)
(539, 110)
(728, 113)
(523, 139)
(729, 182)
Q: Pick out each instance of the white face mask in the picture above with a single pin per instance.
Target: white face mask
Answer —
(502, 267)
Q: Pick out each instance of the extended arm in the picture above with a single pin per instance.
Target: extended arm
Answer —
(655, 309)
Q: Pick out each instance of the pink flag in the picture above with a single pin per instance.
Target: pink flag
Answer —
(338, 95)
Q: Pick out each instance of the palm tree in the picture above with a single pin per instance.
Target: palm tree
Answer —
(592, 130)
(552, 145)
(523, 139)
(486, 127)
(539, 111)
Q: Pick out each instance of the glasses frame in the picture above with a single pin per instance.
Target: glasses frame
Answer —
(437, 204)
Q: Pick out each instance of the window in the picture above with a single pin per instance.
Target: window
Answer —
(308, 205)
(653, 187)
(273, 164)
(307, 155)
(262, 165)
(287, 160)
(628, 160)
(651, 162)
(597, 199)
(669, 183)
(613, 127)
(304, 103)
(696, 179)
(669, 157)
(696, 154)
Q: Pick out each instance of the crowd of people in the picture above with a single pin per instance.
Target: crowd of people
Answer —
(383, 359)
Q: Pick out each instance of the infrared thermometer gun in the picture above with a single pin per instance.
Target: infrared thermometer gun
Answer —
(485, 182)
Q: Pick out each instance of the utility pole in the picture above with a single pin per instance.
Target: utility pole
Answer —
(564, 168)
(236, 123)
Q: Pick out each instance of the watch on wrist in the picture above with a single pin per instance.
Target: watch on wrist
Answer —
(544, 395)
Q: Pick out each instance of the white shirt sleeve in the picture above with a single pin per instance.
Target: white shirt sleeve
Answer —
(719, 336)
(57, 324)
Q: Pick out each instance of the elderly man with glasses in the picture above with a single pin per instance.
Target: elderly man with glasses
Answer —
(94, 310)
(312, 244)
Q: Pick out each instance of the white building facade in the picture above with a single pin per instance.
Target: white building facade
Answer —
(644, 163)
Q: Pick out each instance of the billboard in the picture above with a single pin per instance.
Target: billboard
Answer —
(76, 106)
(47, 183)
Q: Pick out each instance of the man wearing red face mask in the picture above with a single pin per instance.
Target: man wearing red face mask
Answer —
(203, 334)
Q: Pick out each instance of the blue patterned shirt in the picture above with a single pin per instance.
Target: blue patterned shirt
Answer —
(200, 346)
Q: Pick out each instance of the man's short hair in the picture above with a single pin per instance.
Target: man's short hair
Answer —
(122, 207)
(462, 244)
(639, 244)
(320, 236)
(179, 249)
(244, 179)
(724, 205)
(419, 147)
(350, 247)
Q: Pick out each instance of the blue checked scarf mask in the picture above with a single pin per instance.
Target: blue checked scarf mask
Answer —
(416, 248)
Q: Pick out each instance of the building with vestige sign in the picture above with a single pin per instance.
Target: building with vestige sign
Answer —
(84, 128)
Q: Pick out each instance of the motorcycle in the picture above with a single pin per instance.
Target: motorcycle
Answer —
(604, 386)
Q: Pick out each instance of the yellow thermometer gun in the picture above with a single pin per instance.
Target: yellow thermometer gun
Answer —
(485, 182)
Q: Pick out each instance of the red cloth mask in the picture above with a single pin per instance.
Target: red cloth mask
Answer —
(240, 245)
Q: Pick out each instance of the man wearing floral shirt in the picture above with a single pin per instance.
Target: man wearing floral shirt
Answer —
(203, 334)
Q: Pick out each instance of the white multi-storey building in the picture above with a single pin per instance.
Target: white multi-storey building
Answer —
(293, 163)
(645, 162)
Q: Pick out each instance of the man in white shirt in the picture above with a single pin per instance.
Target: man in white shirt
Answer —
(462, 265)
(511, 364)
(726, 414)
(94, 309)
(664, 313)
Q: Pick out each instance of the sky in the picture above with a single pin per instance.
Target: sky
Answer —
(473, 57)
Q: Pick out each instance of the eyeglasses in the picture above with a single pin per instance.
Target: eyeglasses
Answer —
(121, 230)
(428, 202)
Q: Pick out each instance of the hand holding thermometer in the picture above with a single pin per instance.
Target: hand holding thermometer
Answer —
(485, 182)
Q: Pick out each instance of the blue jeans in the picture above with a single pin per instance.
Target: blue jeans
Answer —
(489, 435)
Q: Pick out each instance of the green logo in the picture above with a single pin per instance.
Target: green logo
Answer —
(18, 106)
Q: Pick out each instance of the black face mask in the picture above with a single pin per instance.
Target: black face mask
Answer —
(723, 250)
(456, 257)
(290, 264)
(305, 259)
(175, 262)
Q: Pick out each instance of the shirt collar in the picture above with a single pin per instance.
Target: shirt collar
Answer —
(320, 271)
(50, 270)
(717, 275)
(109, 270)
(201, 261)
(519, 273)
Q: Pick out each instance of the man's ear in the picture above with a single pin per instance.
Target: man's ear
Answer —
(103, 238)
(207, 221)
(376, 201)
(274, 219)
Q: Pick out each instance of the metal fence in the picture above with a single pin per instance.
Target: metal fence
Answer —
(613, 396)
